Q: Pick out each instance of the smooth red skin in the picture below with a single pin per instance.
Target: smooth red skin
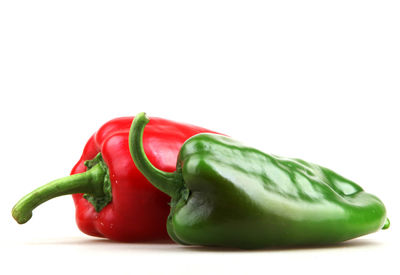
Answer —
(138, 211)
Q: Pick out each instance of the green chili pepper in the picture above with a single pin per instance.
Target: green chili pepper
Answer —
(226, 194)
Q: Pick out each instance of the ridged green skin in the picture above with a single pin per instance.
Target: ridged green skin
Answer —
(241, 197)
(237, 196)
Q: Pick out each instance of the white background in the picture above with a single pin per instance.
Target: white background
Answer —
(318, 80)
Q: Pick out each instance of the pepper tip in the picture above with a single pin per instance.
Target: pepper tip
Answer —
(387, 224)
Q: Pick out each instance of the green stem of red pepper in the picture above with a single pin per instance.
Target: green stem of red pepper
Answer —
(90, 182)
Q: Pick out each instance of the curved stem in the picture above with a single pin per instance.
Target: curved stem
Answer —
(169, 183)
(89, 182)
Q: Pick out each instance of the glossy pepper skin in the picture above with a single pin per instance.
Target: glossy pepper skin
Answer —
(226, 194)
(119, 204)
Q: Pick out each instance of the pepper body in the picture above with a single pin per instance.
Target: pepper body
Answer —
(125, 206)
(232, 195)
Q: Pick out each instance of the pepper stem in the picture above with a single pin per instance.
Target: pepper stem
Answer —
(89, 182)
(169, 183)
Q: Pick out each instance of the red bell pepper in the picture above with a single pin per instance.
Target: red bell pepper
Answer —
(112, 198)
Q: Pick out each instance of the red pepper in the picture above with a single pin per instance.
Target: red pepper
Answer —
(119, 203)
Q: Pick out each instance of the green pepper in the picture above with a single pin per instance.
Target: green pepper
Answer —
(226, 194)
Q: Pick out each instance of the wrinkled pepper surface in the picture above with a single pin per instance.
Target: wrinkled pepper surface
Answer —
(226, 194)
(112, 198)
